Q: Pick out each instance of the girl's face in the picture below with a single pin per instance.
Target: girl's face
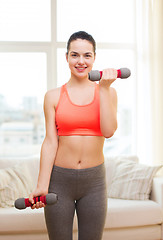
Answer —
(80, 58)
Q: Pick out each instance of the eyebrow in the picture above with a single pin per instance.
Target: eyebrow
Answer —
(84, 53)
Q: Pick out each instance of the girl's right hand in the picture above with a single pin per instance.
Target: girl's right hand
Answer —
(36, 193)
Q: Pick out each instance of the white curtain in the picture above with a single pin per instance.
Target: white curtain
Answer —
(150, 81)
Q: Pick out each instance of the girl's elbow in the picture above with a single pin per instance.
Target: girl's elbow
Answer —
(50, 142)
(110, 133)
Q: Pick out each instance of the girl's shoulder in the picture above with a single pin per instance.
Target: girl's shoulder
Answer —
(52, 96)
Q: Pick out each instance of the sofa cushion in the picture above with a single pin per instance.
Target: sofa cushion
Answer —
(130, 213)
(32, 163)
(121, 214)
(15, 182)
(12, 161)
(132, 180)
(111, 164)
(27, 220)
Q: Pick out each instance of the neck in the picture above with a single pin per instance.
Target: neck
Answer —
(79, 81)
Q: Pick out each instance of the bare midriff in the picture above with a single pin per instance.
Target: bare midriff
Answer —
(79, 152)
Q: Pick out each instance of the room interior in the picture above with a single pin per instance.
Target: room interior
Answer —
(129, 33)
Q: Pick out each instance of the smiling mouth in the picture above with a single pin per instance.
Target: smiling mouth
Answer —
(80, 68)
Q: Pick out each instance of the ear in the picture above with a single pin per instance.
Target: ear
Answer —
(66, 54)
(94, 56)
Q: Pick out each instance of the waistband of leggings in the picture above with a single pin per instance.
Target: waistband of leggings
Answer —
(100, 167)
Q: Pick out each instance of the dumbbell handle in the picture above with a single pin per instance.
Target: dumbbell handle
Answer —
(36, 199)
(118, 73)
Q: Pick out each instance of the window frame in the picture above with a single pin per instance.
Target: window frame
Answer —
(50, 49)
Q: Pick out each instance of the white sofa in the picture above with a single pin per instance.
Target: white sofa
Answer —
(126, 219)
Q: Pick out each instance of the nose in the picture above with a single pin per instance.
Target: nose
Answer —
(81, 60)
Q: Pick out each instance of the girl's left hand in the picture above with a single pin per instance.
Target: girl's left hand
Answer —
(109, 75)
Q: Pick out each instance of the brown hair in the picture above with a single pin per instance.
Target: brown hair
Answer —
(81, 35)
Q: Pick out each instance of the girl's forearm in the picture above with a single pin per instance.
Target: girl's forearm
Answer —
(48, 153)
(108, 110)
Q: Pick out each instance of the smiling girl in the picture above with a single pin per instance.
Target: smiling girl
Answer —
(79, 116)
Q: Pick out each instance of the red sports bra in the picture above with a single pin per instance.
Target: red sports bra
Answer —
(73, 119)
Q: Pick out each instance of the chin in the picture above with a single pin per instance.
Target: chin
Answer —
(80, 75)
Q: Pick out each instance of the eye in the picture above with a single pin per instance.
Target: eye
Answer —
(74, 55)
(88, 56)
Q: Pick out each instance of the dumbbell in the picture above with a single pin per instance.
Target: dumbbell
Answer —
(49, 199)
(96, 75)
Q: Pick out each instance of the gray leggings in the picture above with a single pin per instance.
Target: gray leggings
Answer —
(83, 190)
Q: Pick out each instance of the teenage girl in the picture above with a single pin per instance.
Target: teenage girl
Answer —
(78, 116)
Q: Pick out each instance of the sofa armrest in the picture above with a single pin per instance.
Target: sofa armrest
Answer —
(157, 190)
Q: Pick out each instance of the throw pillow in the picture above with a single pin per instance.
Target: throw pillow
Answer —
(15, 182)
(132, 180)
(111, 164)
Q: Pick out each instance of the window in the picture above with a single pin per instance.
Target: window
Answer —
(23, 78)
(25, 20)
(33, 36)
(107, 20)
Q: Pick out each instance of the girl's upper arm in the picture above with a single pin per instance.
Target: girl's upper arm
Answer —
(49, 112)
(114, 97)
